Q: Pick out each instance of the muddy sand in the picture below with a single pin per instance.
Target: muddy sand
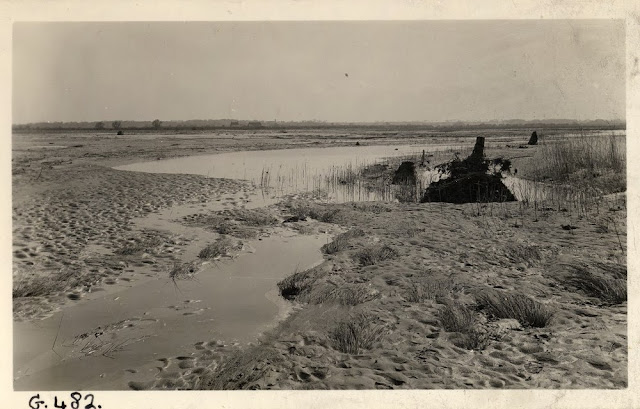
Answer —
(417, 296)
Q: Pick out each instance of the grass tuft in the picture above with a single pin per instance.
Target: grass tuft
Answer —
(355, 333)
(184, 271)
(456, 317)
(341, 241)
(33, 287)
(344, 294)
(217, 249)
(609, 290)
(428, 290)
(373, 255)
(528, 312)
(252, 217)
(298, 283)
(475, 338)
(523, 253)
(303, 208)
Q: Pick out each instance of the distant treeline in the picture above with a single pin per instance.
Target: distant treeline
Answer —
(202, 125)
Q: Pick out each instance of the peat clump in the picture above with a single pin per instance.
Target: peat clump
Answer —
(534, 139)
(406, 178)
(470, 180)
(405, 175)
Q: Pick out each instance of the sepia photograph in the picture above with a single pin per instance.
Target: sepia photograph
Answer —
(435, 204)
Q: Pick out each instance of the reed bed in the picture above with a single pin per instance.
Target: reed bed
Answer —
(585, 156)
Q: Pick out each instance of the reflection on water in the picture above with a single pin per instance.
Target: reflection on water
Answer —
(330, 171)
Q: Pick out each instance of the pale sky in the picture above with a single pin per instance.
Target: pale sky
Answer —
(395, 71)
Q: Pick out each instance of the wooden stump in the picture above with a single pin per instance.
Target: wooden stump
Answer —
(478, 149)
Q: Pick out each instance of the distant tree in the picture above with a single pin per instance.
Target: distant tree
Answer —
(116, 124)
(156, 123)
(100, 125)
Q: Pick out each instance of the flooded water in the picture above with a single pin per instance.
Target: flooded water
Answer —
(287, 171)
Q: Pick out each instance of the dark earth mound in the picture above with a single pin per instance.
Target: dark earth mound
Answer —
(405, 175)
(470, 181)
(474, 187)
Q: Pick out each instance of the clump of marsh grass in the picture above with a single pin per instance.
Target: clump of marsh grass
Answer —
(305, 208)
(343, 294)
(373, 255)
(184, 271)
(475, 338)
(243, 369)
(300, 282)
(456, 317)
(428, 290)
(355, 333)
(341, 241)
(252, 217)
(239, 223)
(608, 290)
(219, 248)
(237, 230)
(528, 312)
(523, 253)
(326, 215)
(371, 207)
(33, 286)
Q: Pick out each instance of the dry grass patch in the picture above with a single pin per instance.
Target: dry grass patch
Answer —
(429, 289)
(587, 159)
(252, 217)
(303, 208)
(475, 338)
(219, 248)
(371, 207)
(523, 253)
(36, 286)
(299, 283)
(355, 333)
(31, 283)
(373, 255)
(456, 317)
(528, 312)
(343, 294)
(341, 241)
(245, 369)
(184, 271)
(608, 290)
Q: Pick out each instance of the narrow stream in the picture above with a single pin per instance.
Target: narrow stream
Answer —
(110, 338)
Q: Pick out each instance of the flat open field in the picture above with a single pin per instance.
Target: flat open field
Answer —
(131, 280)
